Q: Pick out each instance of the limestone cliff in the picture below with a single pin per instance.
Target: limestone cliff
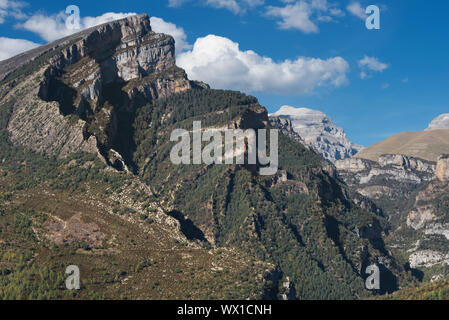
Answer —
(383, 178)
(413, 194)
(81, 92)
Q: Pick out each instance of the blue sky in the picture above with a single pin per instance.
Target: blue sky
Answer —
(306, 53)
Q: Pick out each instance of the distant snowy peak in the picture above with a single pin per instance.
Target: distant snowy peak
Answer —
(440, 122)
(318, 131)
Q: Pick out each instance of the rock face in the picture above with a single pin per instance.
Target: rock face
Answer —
(74, 91)
(320, 132)
(427, 258)
(440, 122)
(412, 193)
(286, 127)
(442, 171)
(378, 179)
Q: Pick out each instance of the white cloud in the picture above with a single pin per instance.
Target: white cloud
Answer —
(11, 8)
(230, 5)
(355, 8)
(176, 3)
(10, 47)
(3, 14)
(294, 16)
(373, 64)
(304, 15)
(235, 6)
(219, 62)
(160, 26)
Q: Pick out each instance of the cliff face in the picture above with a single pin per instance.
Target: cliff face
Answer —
(413, 193)
(81, 92)
(319, 132)
(382, 178)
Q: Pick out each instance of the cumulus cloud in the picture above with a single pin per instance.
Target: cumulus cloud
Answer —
(10, 47)
(294, 16)
(304, 15)
(355, 8)
(220, 62)
(371, 64)
(11, 8)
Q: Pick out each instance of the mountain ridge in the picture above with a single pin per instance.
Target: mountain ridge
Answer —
(428, 145)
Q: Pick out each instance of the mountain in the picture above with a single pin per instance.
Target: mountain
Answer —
(440, 122)
(86, 178)
(427, 145)
(320, 132)
(412, 193)
(86, 88)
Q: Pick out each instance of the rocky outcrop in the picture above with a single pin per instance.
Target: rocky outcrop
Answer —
(418, 217)
(319, 132)
(442, 170)
(80, 93)
(440, 122)
(427, 258)
(286, 128)
(377, 179)
(412, 193)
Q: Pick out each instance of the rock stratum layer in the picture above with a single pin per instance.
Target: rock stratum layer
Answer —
(318, 131)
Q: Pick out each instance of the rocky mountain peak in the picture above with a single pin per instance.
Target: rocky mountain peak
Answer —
(81, 92)
(440, 122)
(318, 131)
(91, 40)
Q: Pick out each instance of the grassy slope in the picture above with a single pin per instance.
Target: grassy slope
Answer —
(428, 145)
(143, 255)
